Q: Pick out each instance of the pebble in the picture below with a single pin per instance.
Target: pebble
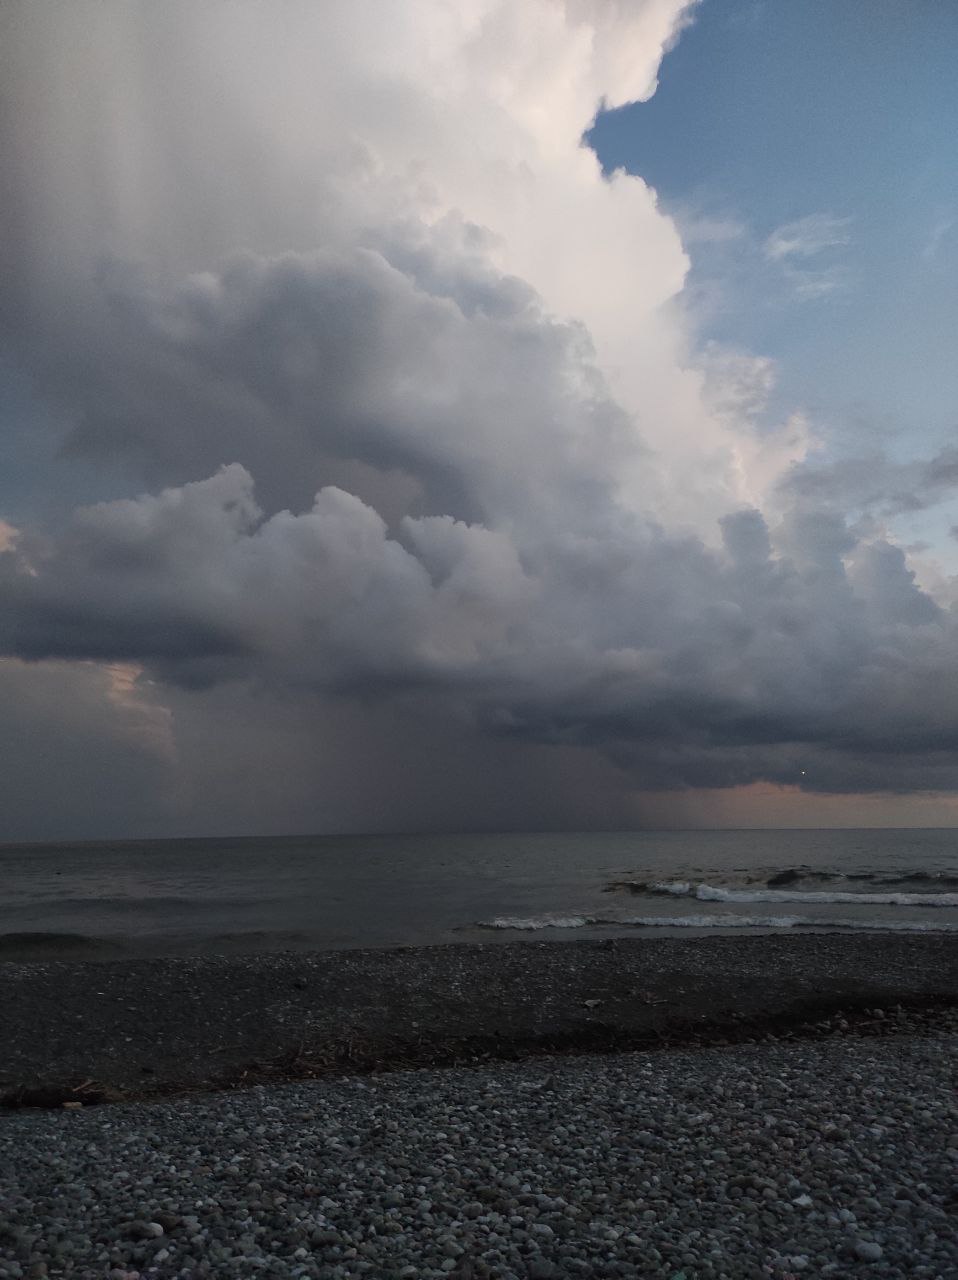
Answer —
(578, 1167)
(869, 1251)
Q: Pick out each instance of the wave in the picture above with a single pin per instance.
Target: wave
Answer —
(714, 893)
(541, 922)
(907, 877)
(792, 875)
(725, 921)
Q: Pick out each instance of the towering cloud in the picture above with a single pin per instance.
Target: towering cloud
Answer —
(374, 425)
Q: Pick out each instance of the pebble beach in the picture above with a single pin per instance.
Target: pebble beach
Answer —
(835, 1158)
(815, 1144)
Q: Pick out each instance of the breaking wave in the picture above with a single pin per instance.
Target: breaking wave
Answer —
(918, 881)
(714, 893)
(541, 922)
(724, 921)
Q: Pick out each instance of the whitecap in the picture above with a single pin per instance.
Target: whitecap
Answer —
(715, 893)
(538, 922)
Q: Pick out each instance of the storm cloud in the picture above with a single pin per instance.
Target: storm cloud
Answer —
(379, 442)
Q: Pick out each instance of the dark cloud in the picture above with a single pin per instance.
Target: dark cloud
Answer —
(411, 384)
(437, 368)
(875, 483)
(510, 592)
(686, 665)
(441, 518)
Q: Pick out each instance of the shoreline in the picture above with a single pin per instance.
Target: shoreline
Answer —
(149, 1028)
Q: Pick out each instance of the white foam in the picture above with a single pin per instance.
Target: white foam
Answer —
(713, 893)
(727, 921)
(538, 922)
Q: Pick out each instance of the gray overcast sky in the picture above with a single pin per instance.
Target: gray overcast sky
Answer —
(372, 458)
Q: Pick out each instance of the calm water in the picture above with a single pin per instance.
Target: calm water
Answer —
(356, 891)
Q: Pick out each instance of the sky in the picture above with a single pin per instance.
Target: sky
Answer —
(477, 416)
(807, 153)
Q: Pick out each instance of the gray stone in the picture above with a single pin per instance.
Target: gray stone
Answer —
(140, 1230)
(542, 1269)
(610, 1171)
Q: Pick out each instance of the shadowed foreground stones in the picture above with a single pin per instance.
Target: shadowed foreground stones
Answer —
(709, 1162)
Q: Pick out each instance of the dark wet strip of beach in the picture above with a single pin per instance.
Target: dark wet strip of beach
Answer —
(151, 1027)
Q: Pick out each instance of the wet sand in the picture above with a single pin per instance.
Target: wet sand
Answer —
(151, 1027)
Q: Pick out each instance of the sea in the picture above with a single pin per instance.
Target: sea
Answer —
(195, 896)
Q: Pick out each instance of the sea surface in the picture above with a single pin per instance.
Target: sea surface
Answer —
(293, 892)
